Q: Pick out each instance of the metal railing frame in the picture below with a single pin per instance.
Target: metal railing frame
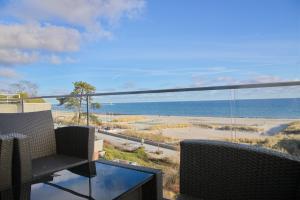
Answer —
(189, 89)
(171, 90)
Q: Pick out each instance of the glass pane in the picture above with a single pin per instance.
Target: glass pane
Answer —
(68, 111)
(146, 129)
(270, 118)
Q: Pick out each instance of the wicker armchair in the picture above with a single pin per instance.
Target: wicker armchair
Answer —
(223, 170)
(6, 151)
(40, 150)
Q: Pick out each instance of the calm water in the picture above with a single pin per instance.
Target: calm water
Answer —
(264, 108)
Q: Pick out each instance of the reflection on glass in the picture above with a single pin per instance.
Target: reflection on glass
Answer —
(146, 129)
(108, 183)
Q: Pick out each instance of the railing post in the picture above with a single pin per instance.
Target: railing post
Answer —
(22, 105)
(87, 110)
(233, 114)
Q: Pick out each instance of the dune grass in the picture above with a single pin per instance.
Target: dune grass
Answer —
(166, 126)
(207, 126)
(116, 125)
(229, 127)
(129, 119)
(149, 136)
(71, 118)
(293, 128)
(240, 128)
(283, 143)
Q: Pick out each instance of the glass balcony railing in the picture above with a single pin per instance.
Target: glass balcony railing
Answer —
(145, 127)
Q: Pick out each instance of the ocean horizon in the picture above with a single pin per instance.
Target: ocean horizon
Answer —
(248, 108)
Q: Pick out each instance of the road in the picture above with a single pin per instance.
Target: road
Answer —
(149, 148)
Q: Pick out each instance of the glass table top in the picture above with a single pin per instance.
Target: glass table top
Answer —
(109, 183)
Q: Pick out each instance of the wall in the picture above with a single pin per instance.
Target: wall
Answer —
(28, 107)
(9, 108)
(33, 107)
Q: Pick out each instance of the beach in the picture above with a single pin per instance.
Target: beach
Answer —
(183, 127)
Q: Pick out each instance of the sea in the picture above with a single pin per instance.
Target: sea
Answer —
(248, 108)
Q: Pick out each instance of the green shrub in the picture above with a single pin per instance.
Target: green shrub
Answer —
(170, 168)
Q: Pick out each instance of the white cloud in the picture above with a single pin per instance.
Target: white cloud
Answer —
(114, 9)
(15, 56)
(8, 73)
(87, 14)
(71, 60)
(266, 79)
(227, 79)
(255, 79)
(23, 43)
(36, 37)
(53, 26)
(55, 60)
(58, 59)
(128, 85)
(202, 81)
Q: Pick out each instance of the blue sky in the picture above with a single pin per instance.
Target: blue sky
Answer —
(148, 44)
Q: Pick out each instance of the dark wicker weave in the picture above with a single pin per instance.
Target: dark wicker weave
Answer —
(6, 152)
(223, 170)
(40, 150)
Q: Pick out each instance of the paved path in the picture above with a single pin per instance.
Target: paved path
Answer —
(148, 148)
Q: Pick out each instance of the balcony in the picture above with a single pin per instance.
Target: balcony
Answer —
(137, 132)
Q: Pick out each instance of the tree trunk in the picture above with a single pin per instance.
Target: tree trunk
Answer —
(79, 109)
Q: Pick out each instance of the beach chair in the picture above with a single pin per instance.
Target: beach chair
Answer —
(214, 170)
(41, 150)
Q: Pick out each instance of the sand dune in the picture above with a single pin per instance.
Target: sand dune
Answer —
(197, 126)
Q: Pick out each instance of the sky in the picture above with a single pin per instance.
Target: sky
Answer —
(119, 45)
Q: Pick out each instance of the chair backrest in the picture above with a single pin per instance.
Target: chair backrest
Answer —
(38, 126)
(6, 151)
(223, 170)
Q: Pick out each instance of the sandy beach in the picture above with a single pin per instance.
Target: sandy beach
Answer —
(178, 127)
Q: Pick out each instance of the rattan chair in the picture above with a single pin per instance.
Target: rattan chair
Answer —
(6, 151)
(222, 170)
(40, 150)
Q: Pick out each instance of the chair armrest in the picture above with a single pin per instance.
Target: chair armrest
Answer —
(22, 161)
(224, 170)
(6, 151)
(77, 141)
